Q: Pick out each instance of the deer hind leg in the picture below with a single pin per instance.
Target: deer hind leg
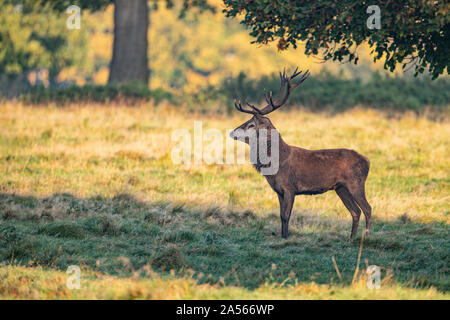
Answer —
(286, 203)
(359, 195)
(351, 206)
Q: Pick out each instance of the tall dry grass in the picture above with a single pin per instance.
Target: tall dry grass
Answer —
(104, 150)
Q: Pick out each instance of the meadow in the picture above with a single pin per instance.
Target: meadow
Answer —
(95, 186)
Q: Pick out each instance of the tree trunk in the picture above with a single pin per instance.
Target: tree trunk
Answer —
(129, 60)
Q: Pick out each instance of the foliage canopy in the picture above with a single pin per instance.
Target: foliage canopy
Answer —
(413, 32)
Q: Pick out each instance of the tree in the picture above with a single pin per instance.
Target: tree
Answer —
(412, 32)
(129, 58)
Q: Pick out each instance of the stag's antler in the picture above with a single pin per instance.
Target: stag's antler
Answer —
(238, 106)
(271, 106)
(285, 82)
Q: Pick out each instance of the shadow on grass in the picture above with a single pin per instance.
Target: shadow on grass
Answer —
(120, 235)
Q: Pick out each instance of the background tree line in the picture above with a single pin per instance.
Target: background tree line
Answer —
(194, 51)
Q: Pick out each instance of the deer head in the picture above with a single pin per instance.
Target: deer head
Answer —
(259, 121)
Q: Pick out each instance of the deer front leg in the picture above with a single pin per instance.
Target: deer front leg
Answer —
(286, 202)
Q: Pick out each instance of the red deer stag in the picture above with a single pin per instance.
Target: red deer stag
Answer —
(309, 172)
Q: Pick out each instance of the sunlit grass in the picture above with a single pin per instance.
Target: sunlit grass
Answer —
(66, 171)
(36, 283)
(99, 150)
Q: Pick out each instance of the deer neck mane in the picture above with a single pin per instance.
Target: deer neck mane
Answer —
(283, 149)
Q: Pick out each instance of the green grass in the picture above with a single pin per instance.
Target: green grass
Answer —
(236, 247)
(96, 187)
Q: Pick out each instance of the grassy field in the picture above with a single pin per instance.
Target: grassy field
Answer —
(95, 186)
